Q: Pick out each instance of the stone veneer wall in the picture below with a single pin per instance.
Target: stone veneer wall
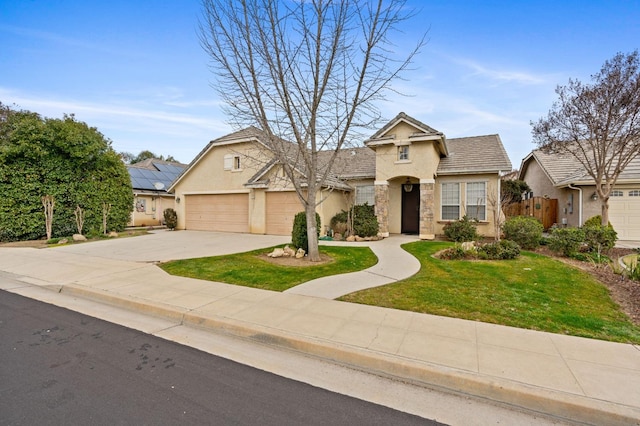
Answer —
(427, 214)
(382, 207)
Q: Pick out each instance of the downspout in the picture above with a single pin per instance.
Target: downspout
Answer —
(570, 186)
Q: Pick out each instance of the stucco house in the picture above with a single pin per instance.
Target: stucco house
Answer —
(417, 179)
(150, 180)
(562, 177)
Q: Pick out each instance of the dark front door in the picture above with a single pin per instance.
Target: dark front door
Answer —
(410, 210)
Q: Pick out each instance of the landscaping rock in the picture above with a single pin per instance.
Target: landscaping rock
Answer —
(359, 238)
(289, 252)
(337, 237)
(468, 245)
(79, 237)
(113, 234)
(276, 253)
(63, 241)
(351, 238)
(300, 253)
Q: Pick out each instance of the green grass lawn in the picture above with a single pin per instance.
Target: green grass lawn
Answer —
(249, 269)
(533, 291)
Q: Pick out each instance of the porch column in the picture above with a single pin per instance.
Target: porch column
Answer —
(382, 207)
(427, 209)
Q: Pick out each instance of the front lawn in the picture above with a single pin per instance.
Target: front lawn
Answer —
(251, 269)
(533, 291)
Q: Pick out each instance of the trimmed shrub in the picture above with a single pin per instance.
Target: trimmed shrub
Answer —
(461, 230)
(525, 231)
(599, 239)
(365, 222)
(299, 233)
(566, 240)
(171, 218)
(499, 250)
(595, 221)
(453, 253)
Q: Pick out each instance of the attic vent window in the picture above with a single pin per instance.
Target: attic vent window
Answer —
(232, 162)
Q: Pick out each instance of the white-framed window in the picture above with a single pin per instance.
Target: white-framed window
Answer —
(403, 153)
(365, 194)
(236, 162)
(450, 201)
(634, 193)
(617, 193)
(477, 200)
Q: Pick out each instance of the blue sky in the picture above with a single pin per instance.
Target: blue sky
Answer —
(135, 69)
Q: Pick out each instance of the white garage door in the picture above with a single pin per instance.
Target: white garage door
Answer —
(624, 213)
(220, 212)
(281, 208)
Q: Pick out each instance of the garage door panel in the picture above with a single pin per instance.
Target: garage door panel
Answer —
(220, 212)
(624, 216)
(281, 208)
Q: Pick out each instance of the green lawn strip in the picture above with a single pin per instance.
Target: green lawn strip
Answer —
(248, 269)
(533, 291)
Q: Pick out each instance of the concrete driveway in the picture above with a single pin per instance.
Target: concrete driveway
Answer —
(160, 246)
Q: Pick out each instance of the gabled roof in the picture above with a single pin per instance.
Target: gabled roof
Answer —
(564, 169)
(154, 175)
(475, 154)
(423, 132)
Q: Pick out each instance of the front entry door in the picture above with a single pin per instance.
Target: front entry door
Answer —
(410, 210)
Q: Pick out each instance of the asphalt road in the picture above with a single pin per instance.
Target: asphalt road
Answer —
(61, 367)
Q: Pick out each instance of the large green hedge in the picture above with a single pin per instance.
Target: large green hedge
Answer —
(64, 158)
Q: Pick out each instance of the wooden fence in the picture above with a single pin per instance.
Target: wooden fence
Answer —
(543, 209)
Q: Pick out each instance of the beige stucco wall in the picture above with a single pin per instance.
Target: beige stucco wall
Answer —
(334, 202)
(154, 207)
(208, 176)
(423, 160)
(485, 228)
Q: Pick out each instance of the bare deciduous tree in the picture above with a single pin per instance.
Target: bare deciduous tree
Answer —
(307, 73)
(598, 123)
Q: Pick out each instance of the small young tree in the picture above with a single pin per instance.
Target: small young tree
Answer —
(48, 203)
(598, 124)
(79, 214)
(106, 208)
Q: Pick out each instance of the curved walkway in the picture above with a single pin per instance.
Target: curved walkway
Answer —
(394, 264)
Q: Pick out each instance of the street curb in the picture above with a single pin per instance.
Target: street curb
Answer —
(562, 405)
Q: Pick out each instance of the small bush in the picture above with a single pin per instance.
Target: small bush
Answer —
(453, 253)
(299, 233)
(461, 230)
(365, 222)
(595, 221)
(525, 231)
(566, 240)
(633, 270)
(499, 250)
(171, 218)
(599, 239)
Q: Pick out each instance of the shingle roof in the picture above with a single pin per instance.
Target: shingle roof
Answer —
(352, 163)
(474, 155)
(563, 168)
(146, 174)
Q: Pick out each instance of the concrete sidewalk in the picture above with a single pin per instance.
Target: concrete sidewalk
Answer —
(583, 380)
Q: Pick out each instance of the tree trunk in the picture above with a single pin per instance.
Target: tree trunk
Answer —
(605, 211)
(312, 233)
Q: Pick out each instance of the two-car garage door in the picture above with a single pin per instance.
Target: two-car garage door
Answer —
(219, 212)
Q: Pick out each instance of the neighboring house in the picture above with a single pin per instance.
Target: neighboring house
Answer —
(150, 180)
(562, 177)
(417, 179)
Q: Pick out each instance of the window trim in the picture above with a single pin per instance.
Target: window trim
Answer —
(475, 204)
(403, 155)
(442, 200)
